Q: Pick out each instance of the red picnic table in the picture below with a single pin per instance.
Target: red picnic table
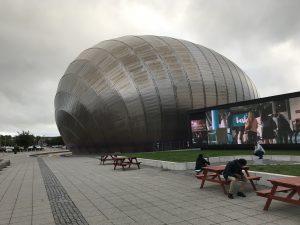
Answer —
(125, 161)
(290, 185)
(108, 157)
(214, 174)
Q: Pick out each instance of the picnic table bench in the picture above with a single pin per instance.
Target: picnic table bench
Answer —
(214, 174)
(289, 185)
(125, 161)
(108, 157)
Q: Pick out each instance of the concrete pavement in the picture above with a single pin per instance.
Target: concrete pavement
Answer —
(77, 190)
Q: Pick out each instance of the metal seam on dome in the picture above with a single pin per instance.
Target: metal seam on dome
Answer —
(114, 89)
(231, 74)
(239, 77)
(183, 42)
(251, 92)
(154, 85)
(82, 80)
(185, 72)
(165, 66)
(113, 86)
(244, 94)
(255, 94)
(71, 115)
(194, 60)
(246, 81)
(222, 72)
(132, 81)
(168, 73)
(179, 62)
(70, 65)
(200, 73)
(212, 73)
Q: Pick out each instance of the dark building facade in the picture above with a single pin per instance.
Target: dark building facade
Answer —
(132, 93)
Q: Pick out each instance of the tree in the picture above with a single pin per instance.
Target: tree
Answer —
(6, 140)
(55, 141)
(24, 139)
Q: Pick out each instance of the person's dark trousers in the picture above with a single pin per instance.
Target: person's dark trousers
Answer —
(252, 137)
(283, 138)
(259, 154)
(296, 134)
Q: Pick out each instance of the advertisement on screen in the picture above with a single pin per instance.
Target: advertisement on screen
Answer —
(270, 122)
(199, 131)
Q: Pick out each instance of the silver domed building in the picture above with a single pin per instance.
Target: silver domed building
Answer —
(129, 93)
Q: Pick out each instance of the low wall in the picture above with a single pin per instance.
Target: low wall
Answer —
(223, 160)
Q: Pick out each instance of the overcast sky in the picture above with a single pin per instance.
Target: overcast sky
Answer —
(39, 39)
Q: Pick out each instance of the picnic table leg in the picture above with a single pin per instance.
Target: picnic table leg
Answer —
(105, 157)
(291, 194)
(222, 184)
(130, 161)
(269, 200)
(116, 161)
(252, 184)
(204, 178)
(251, 181)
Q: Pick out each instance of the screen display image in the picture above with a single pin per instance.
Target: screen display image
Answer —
(199, 131)
(270, 122)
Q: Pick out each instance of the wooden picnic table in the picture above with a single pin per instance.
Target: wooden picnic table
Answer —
(108, 157)
(214, 174)
(124, 161)
(290, 185)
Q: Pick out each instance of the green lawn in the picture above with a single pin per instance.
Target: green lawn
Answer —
(191, 155)
(280, 169)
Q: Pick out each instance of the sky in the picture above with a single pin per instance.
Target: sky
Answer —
(39, 39)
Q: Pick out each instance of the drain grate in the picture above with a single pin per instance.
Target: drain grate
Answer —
(63, 208)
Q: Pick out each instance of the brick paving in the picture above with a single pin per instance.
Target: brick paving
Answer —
(100, 195)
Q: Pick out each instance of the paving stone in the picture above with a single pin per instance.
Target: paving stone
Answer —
(62, 205)
(53, 189)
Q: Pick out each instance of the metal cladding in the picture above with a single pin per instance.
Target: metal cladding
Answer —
(132, 93)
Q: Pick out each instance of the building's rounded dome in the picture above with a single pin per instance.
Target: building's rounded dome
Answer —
(133, 91)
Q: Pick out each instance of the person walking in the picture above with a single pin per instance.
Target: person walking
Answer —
(284, 129)
(233, 172)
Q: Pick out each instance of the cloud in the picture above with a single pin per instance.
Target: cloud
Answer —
(39, 39)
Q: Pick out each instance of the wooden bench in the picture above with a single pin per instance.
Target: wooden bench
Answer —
(290, 185)
(108, 157)
(216, 178)
(213, 175)
(126, 161)
(266, 192)
(253, 178)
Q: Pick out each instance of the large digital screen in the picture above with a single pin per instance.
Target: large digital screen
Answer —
(270, 122)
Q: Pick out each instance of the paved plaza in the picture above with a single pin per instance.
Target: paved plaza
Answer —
(77, 190)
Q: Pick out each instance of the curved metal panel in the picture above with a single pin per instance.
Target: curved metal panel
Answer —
(132, 93)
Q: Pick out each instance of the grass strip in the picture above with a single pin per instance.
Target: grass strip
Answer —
(191, 155)
(293, 170)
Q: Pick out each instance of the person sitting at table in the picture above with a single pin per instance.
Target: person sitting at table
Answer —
(233, 172)
(201, 162)
(259, 151)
